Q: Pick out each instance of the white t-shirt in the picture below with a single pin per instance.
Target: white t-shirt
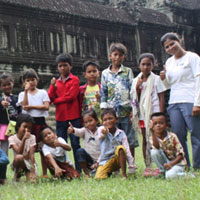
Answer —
(36, 99)
(56, 152)
(158, 87)
(180, 77)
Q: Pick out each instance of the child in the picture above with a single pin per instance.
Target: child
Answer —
(114, 147)
(89, 154)
(23, 144)
(89, 92)
(3, 166)
(115, 88)
(35, 102)
(8, 108)
(54, 150)
(63, 92)
(167, 151)
(147, 94)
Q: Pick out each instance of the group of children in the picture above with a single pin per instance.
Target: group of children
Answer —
(107, 116)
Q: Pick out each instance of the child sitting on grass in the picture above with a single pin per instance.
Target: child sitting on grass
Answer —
(89, 154)
(114, 147)
(54, 150)
(23, 144)
(167, 152)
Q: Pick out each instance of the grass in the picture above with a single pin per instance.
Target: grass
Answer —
(136, 187)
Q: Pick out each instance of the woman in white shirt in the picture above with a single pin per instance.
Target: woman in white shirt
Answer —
(182, 75)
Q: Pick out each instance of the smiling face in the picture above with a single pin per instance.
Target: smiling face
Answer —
(32, 82)
(160, 124)
(90, 123)
(172, 47)
(48, 136)
(109, 121)
(146, 66)
(91, 73)
(117, 58)
(7, 86)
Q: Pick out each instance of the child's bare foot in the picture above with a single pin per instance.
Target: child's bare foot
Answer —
(124, 176)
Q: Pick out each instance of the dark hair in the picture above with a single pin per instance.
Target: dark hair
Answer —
(118, 47)
(146, 55)
(171, 36)
(90, 62)
(108, 111)
(29, 73)
(23, 118)
(41, 131)
(158, 114)
(91, 113)
(64, 58)
(6, 76)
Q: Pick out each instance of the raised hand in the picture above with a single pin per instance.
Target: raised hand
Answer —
(5, 103)
(27, 134)
(53, 81)
(70, 130)
(162, 73)
(27, 86)
(104, 131)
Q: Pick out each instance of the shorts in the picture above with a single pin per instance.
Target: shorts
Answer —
(104, 171)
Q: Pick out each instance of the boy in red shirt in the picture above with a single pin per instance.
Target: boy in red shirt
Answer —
(63, 92)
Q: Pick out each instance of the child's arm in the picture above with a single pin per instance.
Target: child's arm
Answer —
(169, 165)
(19, 150)
(70, 94)
(60, 144)
(79, 132)
(102, 132)
(154, 138)
(103, 92)
(25, 100)
(52, 89)
(162, 101)
(45, 106)
(58, 171)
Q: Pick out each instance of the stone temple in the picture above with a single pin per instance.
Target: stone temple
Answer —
(33, 32)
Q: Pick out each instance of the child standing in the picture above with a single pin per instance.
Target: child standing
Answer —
(147, 94)
(114, 147)
(8, 108)
(167, 151)
(89, 92)
(35, 102)
(89, 154)
(54, 150)
(23, 144)
(115, 88)
(63, 92)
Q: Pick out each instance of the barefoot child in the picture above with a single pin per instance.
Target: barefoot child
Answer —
(89, 154)
(114, 147)
(23, 144)
(147, 94)
(36, 103)
(167, 151)
(54, 150)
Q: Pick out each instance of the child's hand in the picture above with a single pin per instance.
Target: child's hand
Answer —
(56, 143)
(167, 166)
(162, 73)
(53, 82)
(27, 86)
(59, 172)
(151, 125)
(104, 131)
(139, 82)
(27, 134)
(95, 165)
(70, 130)
(27, 107)
(5, 104)
(98, 96)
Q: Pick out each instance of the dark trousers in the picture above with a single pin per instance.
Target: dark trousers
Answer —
(61, 131)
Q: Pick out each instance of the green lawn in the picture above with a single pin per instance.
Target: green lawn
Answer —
(136, 187)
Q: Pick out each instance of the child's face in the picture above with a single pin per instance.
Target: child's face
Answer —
(117, 58)
(90, 123)
(32, 82)
(146, 66)
(24, 127)
(172, 46)
(91, 73)
(7, 86)
(159, 124)
(109, 121)
(64, 68)
(48, 136)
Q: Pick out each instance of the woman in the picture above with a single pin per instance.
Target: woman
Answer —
(182, 75)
